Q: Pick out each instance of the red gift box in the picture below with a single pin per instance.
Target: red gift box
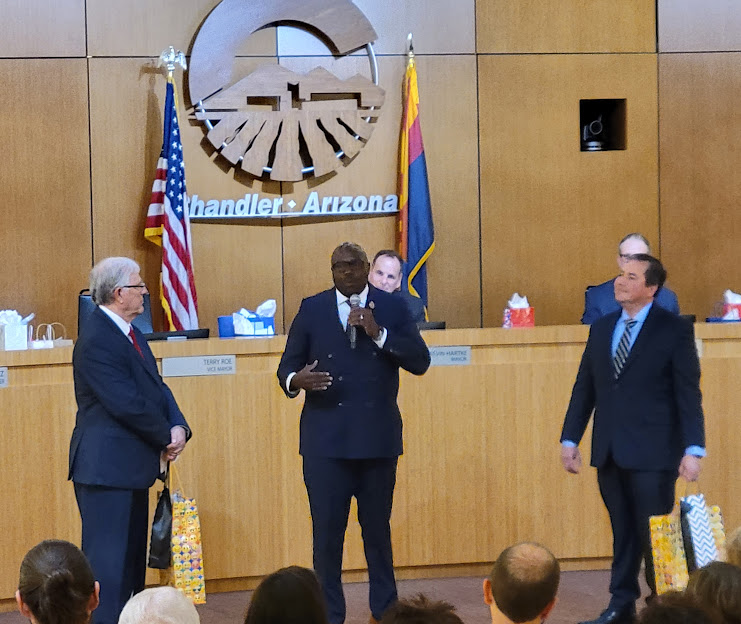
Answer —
(522, 317)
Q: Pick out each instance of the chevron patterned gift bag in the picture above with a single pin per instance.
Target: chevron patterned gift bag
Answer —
(699, 541)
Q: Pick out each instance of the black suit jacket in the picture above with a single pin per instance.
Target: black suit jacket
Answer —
(124, 409)
(652, 412)
(357, 417)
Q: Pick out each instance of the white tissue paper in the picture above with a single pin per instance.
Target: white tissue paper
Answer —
(13, 333)
(517, 302)
(732, 305)
(258, 323)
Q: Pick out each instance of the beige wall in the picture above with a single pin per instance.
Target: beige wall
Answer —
(516, 205)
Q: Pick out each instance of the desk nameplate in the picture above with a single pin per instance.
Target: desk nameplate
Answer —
(450, 356)
(3, 376)
(194, 366)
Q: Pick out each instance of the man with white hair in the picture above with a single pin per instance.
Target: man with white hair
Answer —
(600, 300)
(159, 605)
(127, 425)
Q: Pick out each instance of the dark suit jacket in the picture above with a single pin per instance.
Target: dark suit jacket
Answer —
(600, 300)
(124, 409)
(653, 411)
(357, 417)
(414, 304)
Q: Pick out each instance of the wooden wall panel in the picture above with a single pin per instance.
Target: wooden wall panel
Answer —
(506, 26)
(550, 214)
(146, 27)
(438, 27)
(699, 25)
(234, 268)
(45, 28)
(700, 187)
(45, 245)
(449, 131)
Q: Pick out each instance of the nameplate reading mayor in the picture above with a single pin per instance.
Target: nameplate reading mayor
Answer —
(198, 365)
(450, 356)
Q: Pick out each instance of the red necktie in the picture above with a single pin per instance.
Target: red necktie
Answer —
(133, 339)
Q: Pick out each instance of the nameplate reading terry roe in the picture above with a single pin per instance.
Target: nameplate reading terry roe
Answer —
(198, 365)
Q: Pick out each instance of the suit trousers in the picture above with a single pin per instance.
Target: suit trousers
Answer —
(114, 539)
(331, 483)
(631, 497)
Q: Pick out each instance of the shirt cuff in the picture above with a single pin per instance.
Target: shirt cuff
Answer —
(381, 340)
(291, 393)
(695, 450)
(568, 443)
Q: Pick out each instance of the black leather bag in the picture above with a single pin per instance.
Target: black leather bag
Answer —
(160, 544)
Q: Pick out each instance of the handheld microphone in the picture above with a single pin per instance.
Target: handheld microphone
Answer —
(354, 303)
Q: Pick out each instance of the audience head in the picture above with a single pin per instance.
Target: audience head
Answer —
(676, 608)
(56, 584)
(523, 583)
(717, 586)
(420, 610)
(733, 547)
(159, 605)
(289, 596)
(350, 269)
(385, 273)
(631, 244)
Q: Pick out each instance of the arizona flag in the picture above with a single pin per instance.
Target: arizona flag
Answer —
(416, 232)
(168, 225)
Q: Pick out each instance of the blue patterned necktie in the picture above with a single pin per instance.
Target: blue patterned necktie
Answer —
(623, 348)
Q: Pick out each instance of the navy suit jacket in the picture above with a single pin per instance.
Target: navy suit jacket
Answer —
(124, 409)
(652, 412)
(600, 300)
(414, 304)
(357, 417)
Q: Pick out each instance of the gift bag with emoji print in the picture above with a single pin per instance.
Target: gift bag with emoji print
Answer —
(187, 552)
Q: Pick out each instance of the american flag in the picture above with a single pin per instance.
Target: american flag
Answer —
(168, 225)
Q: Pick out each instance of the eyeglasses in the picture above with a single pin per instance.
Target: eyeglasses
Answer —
(141, 286)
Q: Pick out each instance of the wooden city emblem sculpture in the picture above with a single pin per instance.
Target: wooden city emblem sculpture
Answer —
(318, 122)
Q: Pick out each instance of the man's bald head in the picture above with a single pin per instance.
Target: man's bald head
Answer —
(524, 581)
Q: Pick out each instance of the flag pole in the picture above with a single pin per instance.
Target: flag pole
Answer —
(171, 57)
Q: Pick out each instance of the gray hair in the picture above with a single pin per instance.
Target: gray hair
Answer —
(159, 605)
(635, 236)
(109, 274)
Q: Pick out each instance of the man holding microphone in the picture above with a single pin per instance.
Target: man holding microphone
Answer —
(344, 350)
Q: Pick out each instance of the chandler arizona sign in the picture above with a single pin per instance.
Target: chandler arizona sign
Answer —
(275, 124)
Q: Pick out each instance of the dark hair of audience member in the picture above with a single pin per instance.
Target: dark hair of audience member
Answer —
(56, 583)
(717, 586)
(524, 581)
(421, 610)
(677, 608)
(289, 596)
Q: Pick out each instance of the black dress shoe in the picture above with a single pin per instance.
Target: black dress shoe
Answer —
(613, 616)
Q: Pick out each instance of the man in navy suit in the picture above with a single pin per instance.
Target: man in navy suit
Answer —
(600, 300)
(344, 349)
(128, 425)
(386, 274)
(641, 375)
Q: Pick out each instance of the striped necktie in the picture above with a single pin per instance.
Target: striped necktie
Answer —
(623, 348)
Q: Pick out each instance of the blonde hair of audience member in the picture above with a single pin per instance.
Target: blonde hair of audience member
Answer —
(522, 585)
(290, 595)
(733, 548)
(421, 610)
(717, 586)
(56, 585)
(159, 605)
